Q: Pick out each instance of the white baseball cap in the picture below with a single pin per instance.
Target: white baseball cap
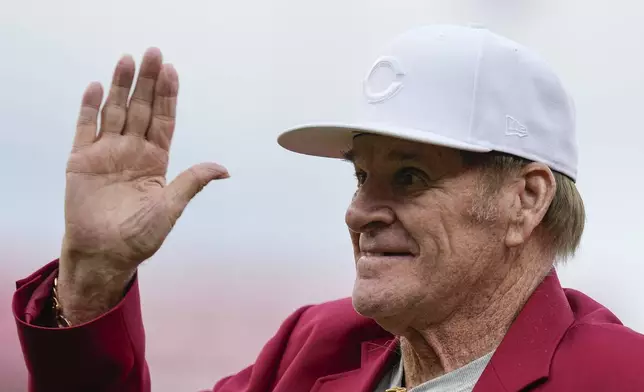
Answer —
(460, 87)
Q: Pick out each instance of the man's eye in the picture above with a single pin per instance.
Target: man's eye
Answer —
(361, 177)
(410, 177)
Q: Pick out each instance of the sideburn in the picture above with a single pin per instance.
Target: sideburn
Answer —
(484, 208)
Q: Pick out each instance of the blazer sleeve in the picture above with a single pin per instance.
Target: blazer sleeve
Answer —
(106, 354)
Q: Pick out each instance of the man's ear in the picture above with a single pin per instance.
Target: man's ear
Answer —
(534, 191)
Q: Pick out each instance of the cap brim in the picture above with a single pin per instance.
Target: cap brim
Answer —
(333, 140)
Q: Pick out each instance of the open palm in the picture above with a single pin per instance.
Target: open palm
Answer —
(118, 208)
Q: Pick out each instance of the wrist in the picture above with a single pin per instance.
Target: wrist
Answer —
(87, 290)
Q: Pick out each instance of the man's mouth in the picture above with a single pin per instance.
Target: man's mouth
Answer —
(386, 254)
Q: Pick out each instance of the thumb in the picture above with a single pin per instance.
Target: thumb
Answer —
(190, 182)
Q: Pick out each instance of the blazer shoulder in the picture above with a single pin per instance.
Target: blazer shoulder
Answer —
(602, 355)
(612, 338)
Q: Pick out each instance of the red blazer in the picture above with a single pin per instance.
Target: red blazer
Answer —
(561, 341)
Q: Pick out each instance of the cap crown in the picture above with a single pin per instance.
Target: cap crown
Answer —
(473, 86)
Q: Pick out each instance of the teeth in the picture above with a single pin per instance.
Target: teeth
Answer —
(383, 254)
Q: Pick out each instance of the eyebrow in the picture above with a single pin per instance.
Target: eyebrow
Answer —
(396, 155)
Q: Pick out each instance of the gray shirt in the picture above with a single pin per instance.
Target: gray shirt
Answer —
(462, 379)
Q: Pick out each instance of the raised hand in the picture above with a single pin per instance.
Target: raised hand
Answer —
(118, 208)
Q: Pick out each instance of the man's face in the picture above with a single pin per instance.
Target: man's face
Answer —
(423, 233)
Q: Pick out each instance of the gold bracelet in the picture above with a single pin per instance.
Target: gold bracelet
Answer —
(61, 320)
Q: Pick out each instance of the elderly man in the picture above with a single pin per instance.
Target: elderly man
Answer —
(465, 158)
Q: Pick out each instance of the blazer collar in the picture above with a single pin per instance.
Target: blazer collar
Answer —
(525, 353)
(377, 356)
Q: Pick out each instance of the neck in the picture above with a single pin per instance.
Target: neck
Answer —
(473, 330)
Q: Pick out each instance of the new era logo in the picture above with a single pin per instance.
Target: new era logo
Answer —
(514, 128)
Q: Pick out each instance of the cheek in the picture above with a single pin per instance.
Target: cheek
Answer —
(446, 234)
(430, 229)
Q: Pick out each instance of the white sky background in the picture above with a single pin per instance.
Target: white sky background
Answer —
(273, 236)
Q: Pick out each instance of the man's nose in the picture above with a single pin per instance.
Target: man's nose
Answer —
(367, 212)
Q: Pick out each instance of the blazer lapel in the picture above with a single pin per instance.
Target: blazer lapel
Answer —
(375, 357)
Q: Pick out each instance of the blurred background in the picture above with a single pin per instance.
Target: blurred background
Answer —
(250, 250)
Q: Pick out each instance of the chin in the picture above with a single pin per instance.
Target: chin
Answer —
(393, 305)
(375, 301)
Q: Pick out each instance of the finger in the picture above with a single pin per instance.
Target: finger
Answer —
(115, 108)
(190, 182)
(88, 116)
(164, 107)
(140, 108)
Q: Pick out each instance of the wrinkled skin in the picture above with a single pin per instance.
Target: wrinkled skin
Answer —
(441, 261)
(118, 209)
